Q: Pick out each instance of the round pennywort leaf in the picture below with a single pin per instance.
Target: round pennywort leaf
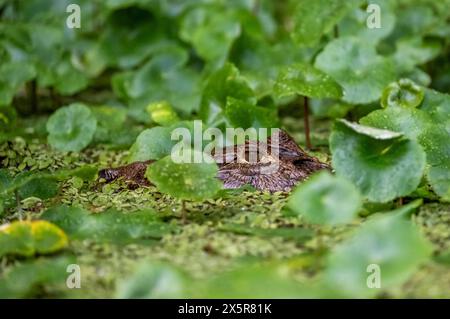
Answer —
(357, 67)
(326, 199)
(383, 164)
(71, 128)
(190, 181)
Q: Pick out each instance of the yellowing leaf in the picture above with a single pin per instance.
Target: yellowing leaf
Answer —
(28, 238)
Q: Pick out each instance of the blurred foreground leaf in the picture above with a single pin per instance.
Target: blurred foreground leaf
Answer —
(28, 238)
(24, 280)
(109, 226)
(326, 199)
(152, 281)
(389, 244)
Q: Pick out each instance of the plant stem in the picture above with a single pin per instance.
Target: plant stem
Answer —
(183, 211)
(336, 31)
(18, 205)
(256, 6)
(55, 98)
(306, 122)
(32, 95)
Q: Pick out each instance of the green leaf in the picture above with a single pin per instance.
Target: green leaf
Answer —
(357, 67)
(8, 117)
(211, 31)
(187, 181)
(5, 180)
(251, 281)
(383, 164)
(71, 128)
(110, 123)
(28, 238)
(305, 80)
(437, 105)
(356, 22)
(165, 77)
(43, 188)
(110, 226)
(326, 199)
(152, 280)
(389, 242)
(67, 79)
(26, 279)
(418, 125)
(329, 108)
(224, 83)
(13, 75)
(162, 113)
(109, 118)
(403, 93)
(415, 51)
(129, 36)
(244, 115)
(312, 19)
(154, 143)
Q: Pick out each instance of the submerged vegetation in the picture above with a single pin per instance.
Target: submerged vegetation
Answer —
(360, 85)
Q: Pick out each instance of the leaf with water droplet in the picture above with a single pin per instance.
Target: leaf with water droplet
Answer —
(419, 125)
(356, 66)
(305, 80)
(383, 164)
